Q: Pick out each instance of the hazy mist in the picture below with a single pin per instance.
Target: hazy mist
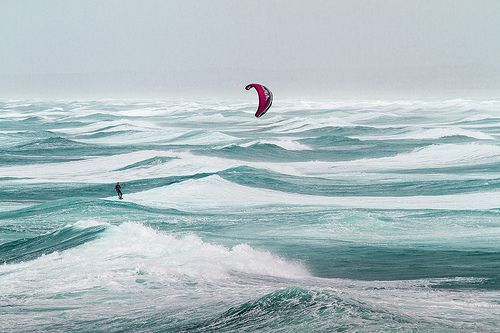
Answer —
(122, 48)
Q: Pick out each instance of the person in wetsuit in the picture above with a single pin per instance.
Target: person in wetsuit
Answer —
(118, 190)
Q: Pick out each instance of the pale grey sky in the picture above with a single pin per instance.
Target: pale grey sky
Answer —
(146, 48)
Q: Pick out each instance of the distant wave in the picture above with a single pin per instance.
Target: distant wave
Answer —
(297, 125)
(103, 126)
(444, 155)
(201, 137)
(154, 161)
(436, 133)
(331, 141)
(262, 151)
(51, 143)
(106, 134)
(283, 143)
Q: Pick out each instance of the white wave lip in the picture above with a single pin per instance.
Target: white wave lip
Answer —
(133, 251)
(197, 137)
(285, 144)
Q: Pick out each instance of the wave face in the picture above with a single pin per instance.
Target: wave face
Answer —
(320, 216)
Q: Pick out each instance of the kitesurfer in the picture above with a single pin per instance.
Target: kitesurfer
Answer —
(118, 189)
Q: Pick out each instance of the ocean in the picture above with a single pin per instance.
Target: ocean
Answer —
(321, 216)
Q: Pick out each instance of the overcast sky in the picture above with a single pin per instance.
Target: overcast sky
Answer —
(125, 48)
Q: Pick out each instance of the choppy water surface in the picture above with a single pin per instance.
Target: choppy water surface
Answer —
(321, 216)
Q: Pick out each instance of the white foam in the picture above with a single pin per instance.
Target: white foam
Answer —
(84, 224)
(285, 144)
(133, 251)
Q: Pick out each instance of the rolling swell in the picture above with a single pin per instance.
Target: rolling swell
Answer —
(64, 208)
(261, 178)
(55, 191)
(41, 219)
(55, 150)
(51, 143)
(326, 148)
(99, 135)
(273, 153)
(157, 160)
(60, 240)
(297, 309)
(386, 263)
(7, 159)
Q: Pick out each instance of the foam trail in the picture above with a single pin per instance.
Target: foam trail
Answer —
(285, 144)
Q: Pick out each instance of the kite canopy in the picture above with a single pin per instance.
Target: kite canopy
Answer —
(265, 98)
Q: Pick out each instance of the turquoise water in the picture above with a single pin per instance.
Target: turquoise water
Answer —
(321, 216)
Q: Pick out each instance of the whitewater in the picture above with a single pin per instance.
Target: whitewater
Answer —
(321, 216)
